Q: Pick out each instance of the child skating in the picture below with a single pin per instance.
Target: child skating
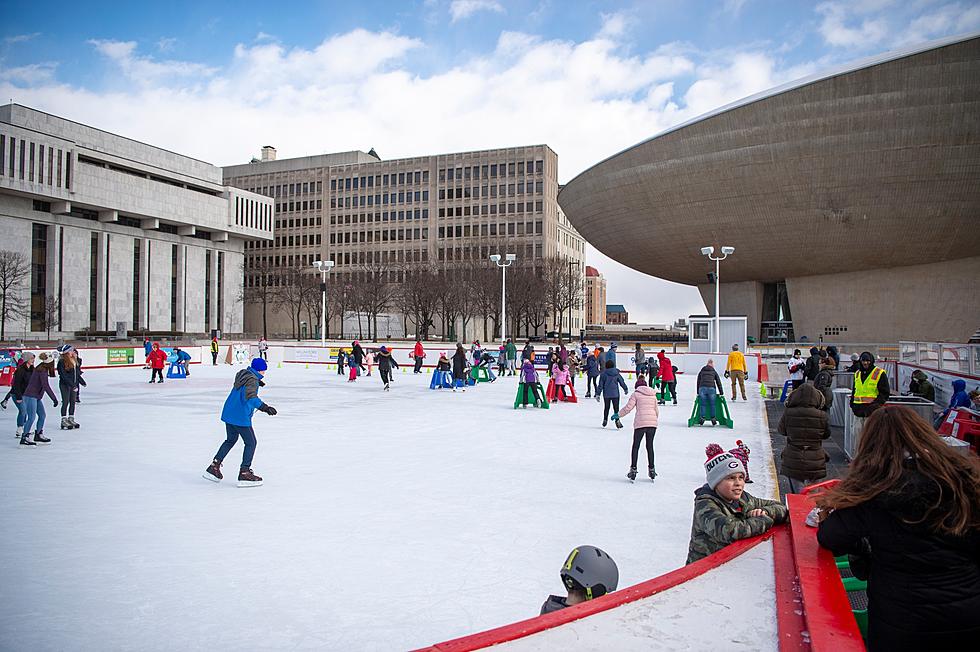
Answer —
(156, 359)
(385, 362)
(609, 383)
(241, 403)
(644, 399)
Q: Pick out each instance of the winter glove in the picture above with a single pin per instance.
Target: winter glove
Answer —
(727, 375)
(261, 384)
(268, 409)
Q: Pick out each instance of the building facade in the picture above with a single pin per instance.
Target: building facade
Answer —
(595, 297)
(851, 199)
(616, 315)
(118, 232)
(362, 212)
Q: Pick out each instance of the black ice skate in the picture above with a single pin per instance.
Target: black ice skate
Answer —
(248, 479)
(604, 422)
(714, 422)
(653, 474)
(40, 439)
(19, 432)
(65, 424)
(631, 476)
(74, 424)
(213, 472)
(386, 387)
(25, 440)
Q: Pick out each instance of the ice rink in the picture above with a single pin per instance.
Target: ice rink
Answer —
(388, 520)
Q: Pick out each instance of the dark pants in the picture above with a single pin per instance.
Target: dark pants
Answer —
(214, 358)
(533, 388)
(156, 373)
(340, 367)
(605, 410)
(418, 364)
(233, 433)
(385, 375)
(560, 393)
(670, 388)
(638, 435)
(571, 379)
(264, 354)
(68, 395)
(593, 387)
(797, 382)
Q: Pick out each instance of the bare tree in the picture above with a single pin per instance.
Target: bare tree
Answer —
(52, 314)
(420, 292)
(485, 287)
(562, 289)
(15, 269)
(377, 293)
(259, 289)
(290, 295)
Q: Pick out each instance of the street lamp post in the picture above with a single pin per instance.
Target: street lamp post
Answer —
(725, 253)
(503, 292)
(323, 266)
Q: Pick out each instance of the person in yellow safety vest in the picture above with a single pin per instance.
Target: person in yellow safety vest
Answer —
(214, 351)
(736, 370)
(871, 388)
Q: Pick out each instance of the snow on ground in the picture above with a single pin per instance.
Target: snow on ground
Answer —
(387, 520)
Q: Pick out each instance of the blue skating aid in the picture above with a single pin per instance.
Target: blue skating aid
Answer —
(176, 371)
(441, 380)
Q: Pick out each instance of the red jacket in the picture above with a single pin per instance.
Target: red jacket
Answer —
(666, 372)
(419, 352)
(157, 358)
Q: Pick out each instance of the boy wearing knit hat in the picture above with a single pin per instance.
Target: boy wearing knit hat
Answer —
(723, 511)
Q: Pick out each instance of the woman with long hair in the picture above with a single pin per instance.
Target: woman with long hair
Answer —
(912, 505)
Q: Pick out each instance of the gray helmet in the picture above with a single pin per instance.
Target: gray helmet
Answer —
(591, 570)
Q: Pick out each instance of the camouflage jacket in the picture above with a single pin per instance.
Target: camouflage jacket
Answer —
(718, 523)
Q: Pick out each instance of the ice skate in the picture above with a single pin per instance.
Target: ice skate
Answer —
(604, 422)
(386, 387)
(159, 380)
(714, 422)
(74, 424)
(615, 418)
(3, 404)
(675, 401)
(652, 474)
(631, 475)
(213, 472)
(19, 432)
(25, 440)
(248, 479)
(40, 439)
(65, 424)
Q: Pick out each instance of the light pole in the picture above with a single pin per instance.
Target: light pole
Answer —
(725, 253)
(503, 292)
(323, 266)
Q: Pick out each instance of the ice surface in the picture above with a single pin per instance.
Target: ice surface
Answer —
(388, 520)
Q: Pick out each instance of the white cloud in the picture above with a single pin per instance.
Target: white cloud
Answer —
(146, 70)
(29, 75)
(460, 9)
(952, 18)
(613, 26)
(166, 44)
(20, 38)
(837, 31)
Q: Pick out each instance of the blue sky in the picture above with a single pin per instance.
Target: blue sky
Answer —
(218, 80)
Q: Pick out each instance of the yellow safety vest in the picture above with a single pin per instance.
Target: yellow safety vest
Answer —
(866, 391)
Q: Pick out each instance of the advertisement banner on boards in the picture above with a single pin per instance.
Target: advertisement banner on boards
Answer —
(120, 356)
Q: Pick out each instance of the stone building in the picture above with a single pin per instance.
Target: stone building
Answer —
(363, 212)
(120, 232)
(595, 297)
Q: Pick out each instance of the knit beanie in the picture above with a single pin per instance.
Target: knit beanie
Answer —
(640, 382)
(720, 465)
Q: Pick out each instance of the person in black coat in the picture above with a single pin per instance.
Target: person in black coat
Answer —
(385, 363)
(812, 366)
(459, 366)
(908, 512)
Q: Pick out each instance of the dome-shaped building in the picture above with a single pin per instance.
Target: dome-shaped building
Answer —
(852, 200)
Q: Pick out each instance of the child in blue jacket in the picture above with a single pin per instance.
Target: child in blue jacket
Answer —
(237, 415)
(609, 383)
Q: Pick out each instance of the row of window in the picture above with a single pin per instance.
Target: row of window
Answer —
(384, 235)
(380, 180)
(287, 189)
(481, 253)
(489, 230)
(34, 162)
(493, 209)
(400, 197)
(305, 240)
(252, 214)
(345, 258)
(503, 190)
(289, 207)
(490, 171)
(384, 216)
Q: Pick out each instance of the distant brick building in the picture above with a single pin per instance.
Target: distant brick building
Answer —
(616, 314)
(595, 296)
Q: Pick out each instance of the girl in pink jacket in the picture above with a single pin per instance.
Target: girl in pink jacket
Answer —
(560, 375)
(644, 399)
